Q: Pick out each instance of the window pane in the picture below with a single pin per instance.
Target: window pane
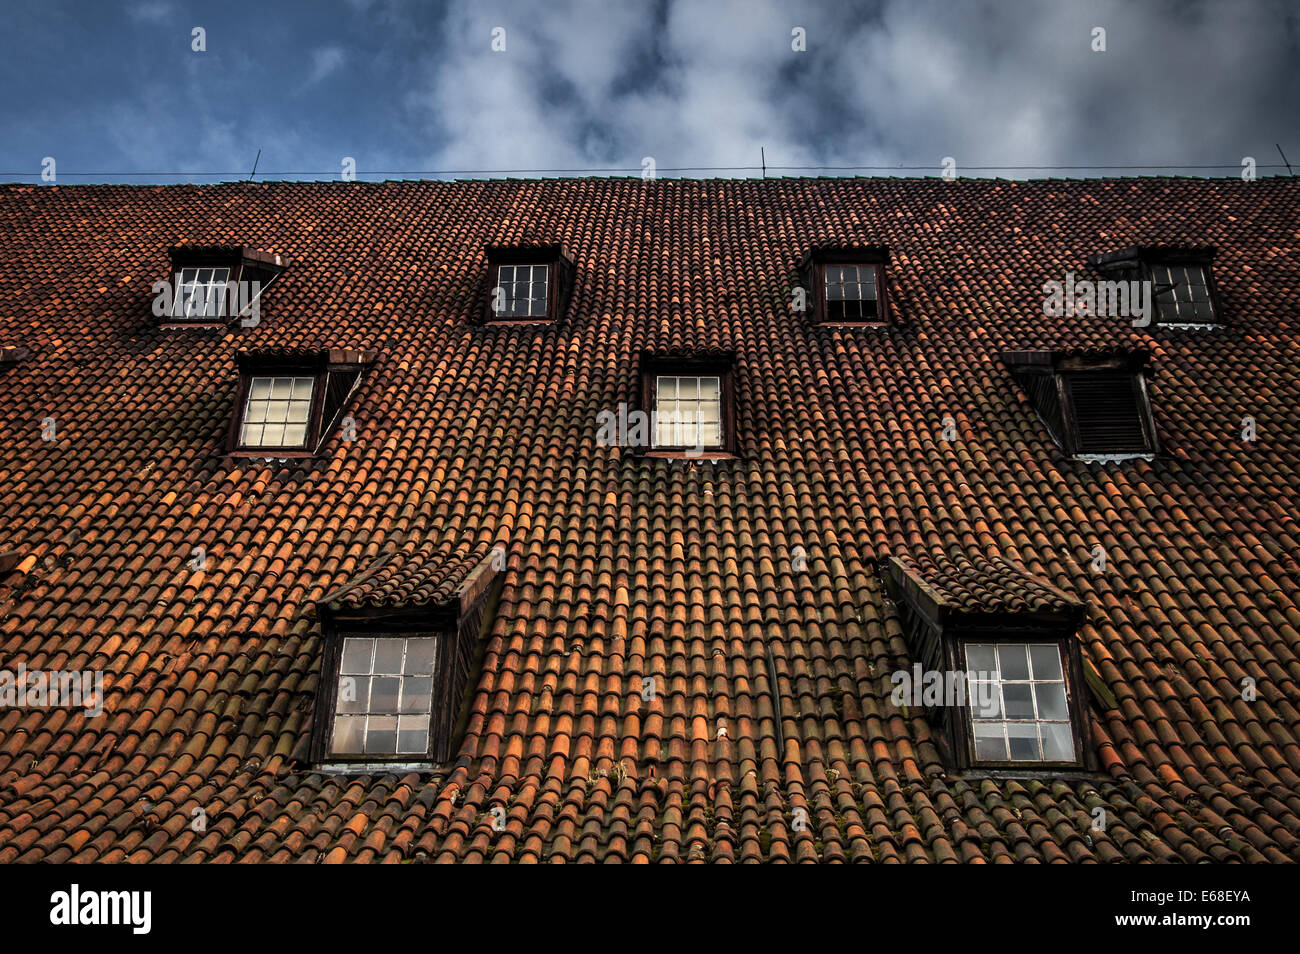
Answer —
(1023, 740)
(354, 694)
(381, 736)
(710, 434)
(687, 388)
(417, 694)
(420, 655)
(357, 652)
(981, 659)
(709, 388)
(260, 389)
(1058, 742)
(1012, 661)
(281, 389)
(990, 745)
(1051, 700)
(348, 733)
(1046, 660)
(383, 693)
(413, 735)
(1019, 700)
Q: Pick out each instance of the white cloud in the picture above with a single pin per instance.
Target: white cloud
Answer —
(325, 60)
(149, 11)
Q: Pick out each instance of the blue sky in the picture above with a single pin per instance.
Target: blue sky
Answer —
(112, 90)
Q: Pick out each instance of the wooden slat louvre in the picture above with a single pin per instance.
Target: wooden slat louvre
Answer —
(1108, 413)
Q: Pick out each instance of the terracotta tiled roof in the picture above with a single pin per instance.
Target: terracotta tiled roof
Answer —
(773, 676)
(978, 585)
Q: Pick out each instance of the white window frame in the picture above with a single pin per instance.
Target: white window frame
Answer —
(257, 411)
(1042, 715)
(686, 430)
(213, 292)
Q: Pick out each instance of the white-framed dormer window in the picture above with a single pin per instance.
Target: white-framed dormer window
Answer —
(1027, 718)
(688, 410)
(200, 293)
(277, 411)
(385, 697)
(524, 291)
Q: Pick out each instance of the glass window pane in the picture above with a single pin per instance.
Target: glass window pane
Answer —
(260, 389)
(981, 658)
(1022, 738)
(709, 388)
(383, 693)
(413, 735)
(1046, 660)
(1013, 662)
(686, 388)
(990, 746)
(356, 655)
(1051, 700)
(281, 389)
(295, 435)
(1058, 742)
(417, 693)
(1019, 699)
(348, 733)
(710, 434)
(420, 655)
(381, 736)
(354, 694)
(388, 656)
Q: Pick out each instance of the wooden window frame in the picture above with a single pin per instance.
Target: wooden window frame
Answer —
(559, 281)
(1070, 417)
(255, 366)
(339, 627)
(720, 366)
(237, 259)
(1206, 264)
(461, 622)
(1076, 698)
(875, 257)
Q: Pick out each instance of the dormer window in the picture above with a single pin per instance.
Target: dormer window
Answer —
(1182, 294)
(847, 285)
(290, 401)
(200, 293)
(529, 284)
(1181, 277)
(690, 403)
(1095, 405)
(395, 677)
(525, 291)
(211, 285)
(1002, 675)
(278, 411)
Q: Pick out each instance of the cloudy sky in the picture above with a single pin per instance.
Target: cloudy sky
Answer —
(116, 91)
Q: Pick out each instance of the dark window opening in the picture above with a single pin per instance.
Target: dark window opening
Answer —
(850, 292)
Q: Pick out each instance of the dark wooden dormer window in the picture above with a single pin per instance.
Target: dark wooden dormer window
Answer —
(1183, 289)
(1003, 679)
(846, 286)
(212, 285)
(528, 284)
(1095, 405)
(395, 680)
(691, 404)
(289, 402)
